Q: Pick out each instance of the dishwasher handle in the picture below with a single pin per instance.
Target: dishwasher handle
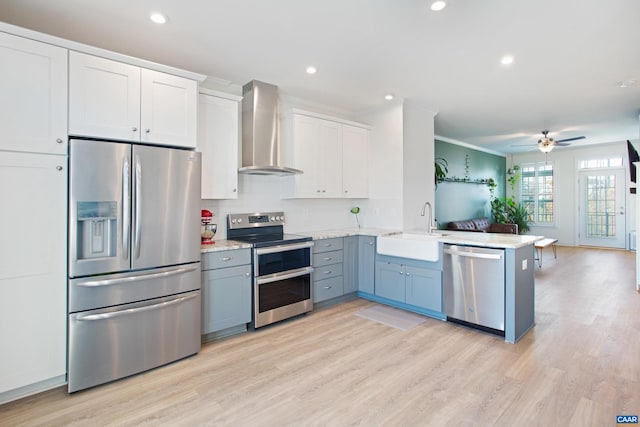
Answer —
(472, 254)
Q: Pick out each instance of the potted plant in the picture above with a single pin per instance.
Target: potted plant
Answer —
(508, 211)
(441, 170)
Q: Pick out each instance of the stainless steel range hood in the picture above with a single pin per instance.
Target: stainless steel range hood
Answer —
(260, 131)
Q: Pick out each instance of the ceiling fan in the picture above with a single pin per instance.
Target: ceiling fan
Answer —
(546, 144)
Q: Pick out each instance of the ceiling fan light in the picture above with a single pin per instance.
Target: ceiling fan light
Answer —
(545, 145)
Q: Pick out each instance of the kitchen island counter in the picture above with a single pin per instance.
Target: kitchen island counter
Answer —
(488, 240)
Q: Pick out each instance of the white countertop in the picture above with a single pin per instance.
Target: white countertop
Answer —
(345, 232)
(490, 240)
(223, 245)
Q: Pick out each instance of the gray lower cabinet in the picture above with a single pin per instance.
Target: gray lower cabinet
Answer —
(328, 263)
(226, 290)
(350, 270)
(412, 285)
(366, 263)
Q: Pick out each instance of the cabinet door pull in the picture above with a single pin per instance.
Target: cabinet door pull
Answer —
(147, 130)
(59, 140)
(370, 243)
(247, 274)
(225, 258)
(134, 129)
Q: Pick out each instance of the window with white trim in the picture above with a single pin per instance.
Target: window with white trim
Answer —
(610, 162)
(537, 192)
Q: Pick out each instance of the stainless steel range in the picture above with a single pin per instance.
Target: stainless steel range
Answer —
(281, 266)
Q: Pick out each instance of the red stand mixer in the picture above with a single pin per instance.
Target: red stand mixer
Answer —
(207, 228)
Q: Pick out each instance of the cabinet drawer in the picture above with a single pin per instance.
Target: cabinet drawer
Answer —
(325, 258)
(325, 245)
(223, 259)
(327, 289)
(327, 271)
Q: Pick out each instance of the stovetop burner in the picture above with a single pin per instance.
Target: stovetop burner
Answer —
(261, 229)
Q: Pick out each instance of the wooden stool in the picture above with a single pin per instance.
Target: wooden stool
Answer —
(541, 244)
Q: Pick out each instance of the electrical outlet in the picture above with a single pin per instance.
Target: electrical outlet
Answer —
(524, 264)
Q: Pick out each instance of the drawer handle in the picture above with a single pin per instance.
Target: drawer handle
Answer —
(327, 245)
(370, 243)
(327, 258)
(328, 272)
(328, 287)
(225, 258)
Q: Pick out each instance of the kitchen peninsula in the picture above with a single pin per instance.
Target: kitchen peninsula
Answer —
(420, 288)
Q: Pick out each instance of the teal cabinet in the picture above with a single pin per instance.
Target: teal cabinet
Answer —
(423, 288)
(350, 270)
(366, 263)
(390, 281)
(226, 290)
(409, 282)
(328, 263)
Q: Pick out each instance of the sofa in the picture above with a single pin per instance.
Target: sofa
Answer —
(482, 225)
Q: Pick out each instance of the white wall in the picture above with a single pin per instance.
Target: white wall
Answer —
(565, 162)
(383, 209)
(418, 165)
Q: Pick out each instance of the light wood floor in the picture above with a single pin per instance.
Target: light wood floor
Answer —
(579, 366)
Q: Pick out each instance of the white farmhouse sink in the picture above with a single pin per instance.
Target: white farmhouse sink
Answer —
(423, 247)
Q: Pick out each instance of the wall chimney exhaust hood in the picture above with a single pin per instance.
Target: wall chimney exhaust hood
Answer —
(260, 131)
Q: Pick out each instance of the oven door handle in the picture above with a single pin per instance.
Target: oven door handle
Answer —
(282, 248)
(284, 276)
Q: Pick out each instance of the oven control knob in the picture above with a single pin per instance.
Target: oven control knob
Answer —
(233, 221)
(273, 218)
(279, 218)
(239, 220)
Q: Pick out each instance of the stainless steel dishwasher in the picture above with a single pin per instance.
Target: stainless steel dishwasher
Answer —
(474, 286)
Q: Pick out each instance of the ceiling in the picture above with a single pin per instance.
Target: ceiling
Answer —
(570, 56)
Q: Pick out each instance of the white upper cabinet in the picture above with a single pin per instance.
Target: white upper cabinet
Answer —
(33, 76)
(218, 140)
(113, 100)
(104, 98)
(355, 162)
(169, 109)
(332, 155)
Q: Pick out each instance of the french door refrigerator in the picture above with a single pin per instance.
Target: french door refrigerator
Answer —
(134, 259)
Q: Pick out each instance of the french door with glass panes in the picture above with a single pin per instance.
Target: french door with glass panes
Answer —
(602, 208)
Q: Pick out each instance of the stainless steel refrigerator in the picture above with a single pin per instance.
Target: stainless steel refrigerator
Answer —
(134, 259)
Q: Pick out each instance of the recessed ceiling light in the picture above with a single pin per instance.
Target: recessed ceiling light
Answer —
(158, 18)
(627, 83)
(311, 69)
(438, 5)
(388, 96)
(507, 60)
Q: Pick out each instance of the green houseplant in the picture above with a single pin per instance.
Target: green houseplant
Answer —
(441, 169)
(508, 211)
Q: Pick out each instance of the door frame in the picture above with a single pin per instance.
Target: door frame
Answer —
(620, 187)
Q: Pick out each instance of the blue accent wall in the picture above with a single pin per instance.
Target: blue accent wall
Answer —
(457, 201)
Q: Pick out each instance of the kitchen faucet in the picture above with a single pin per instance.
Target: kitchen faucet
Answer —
(430, 223)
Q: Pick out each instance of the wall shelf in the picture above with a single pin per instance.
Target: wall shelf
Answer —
(466, 181)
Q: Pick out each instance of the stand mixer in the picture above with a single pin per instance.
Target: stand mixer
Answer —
(207, 228)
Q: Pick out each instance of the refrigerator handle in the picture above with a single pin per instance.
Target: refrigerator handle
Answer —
(126, 208)
(137, 209)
